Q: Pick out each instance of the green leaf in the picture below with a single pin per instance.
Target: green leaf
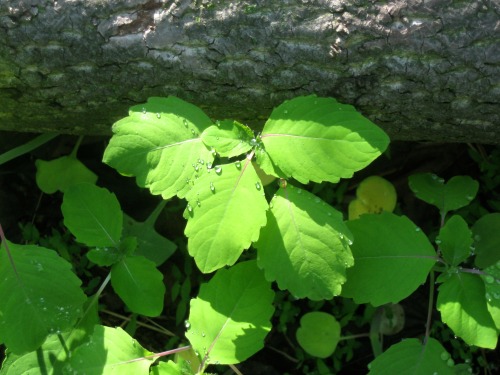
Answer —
(491, 278)
(93, 215)
(104, 256)
(226, 210)
(410, 357)
(318, 139)
(392, 258)
(455, 240)
(168, 368)
(110, 351)
(229, 138)
(61, 173)
(52, 356)
(231, 316)
(40, 296)
(318, 334)
(462, 303)
(139, 284)
(304, 246)
(486, 233)
(150, 244)
(159, 143)
(458, 192)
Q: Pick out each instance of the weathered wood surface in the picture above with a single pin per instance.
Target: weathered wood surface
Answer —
(421, 69)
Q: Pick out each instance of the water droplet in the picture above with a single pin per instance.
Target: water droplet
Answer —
(450, 362)
(477, 238)
(190, 209)
(285, 111)
(434, 177)
(316, 200)
(193, 132)
(39, 267)
(209, 165)
(238, 164)
(328, 213)
(28, 301)
(158, 115)
(201, 161)
(469, 197)
(187, 324)
(217, 123)
(253, 142)
(213, 152)
(185, 123)
(438, 242)
(488, 297)
(143, 110)
(198, 203)
(257, 185)
(218, 169)
(203, 334)
(212, 187)
(42, 300)
(349, 242)
(445, 356)
(489, 279)
(417, 229)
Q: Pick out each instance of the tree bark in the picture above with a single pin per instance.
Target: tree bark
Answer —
(421, 69)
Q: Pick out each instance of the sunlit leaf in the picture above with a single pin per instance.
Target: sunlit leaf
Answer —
(318, 139)
(318, 334)
(304, 246)
(40, 296)
(61, 173)
(392, 258)
(411, 357)
(139, 283)
(462, 303)
(159, 143)
(231, 316)
(93, 215)
(110, 351)
(226, 209)
(229, 138)
(491, 278)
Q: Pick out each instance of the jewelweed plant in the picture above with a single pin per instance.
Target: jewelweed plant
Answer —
(289, 235)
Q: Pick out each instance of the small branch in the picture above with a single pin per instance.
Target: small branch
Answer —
(430, 307)
(145, 325)
(235, 369)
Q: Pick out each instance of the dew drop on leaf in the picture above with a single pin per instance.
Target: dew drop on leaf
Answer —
(143, 110)
(257, 185)
(187, 324)
(212, 187)
(158, 115)
(209, 165)
(189, 208)
(489, 279)
(218, 169)
(238, 165)
(445, 356)
(185, 123)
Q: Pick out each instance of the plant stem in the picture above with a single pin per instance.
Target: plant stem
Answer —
(352, 337)
(235, 369)
(145, 325)
(430, 307)
(77, 146)
(26, 147)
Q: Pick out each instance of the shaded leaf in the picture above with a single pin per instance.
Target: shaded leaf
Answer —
(225, 212)
(455, 240)
(462, 303)
(229, 138)
(159, 143)
(486, 233)
(61, 173)
(458, 192)
(410, 357)
(304, 246)
(318, 334)
(491, 278)
(93, 215)
(110, 351)
(150, 244)
(139, 284)
(231, 316)
(41, 296)
(318, 139)
(392, 258)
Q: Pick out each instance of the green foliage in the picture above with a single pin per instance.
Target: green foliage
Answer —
(228, 325)
(250, 233)
(318, 334)
(385, 247)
